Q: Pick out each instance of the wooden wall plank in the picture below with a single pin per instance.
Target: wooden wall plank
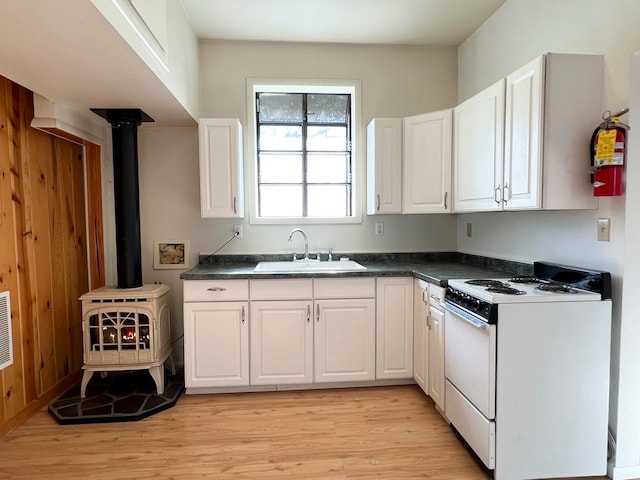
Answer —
(93, 162)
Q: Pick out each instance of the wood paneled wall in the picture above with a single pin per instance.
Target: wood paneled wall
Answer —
(43, 257)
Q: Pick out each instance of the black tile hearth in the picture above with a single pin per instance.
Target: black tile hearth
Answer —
(119, 397)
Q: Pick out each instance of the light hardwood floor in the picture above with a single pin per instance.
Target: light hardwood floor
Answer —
(381, 433)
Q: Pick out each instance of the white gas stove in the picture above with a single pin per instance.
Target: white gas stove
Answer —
(527, 370)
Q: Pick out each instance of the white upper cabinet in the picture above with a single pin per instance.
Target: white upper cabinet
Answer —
(477, 157)
(426, 180)
(221, 174)
(551, 106)
(384, 166)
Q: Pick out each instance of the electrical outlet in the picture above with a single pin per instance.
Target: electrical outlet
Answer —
(603, 229)
(237, 229)
(379, 229)
(469, 230)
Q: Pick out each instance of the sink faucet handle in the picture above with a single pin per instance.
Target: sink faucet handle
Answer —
(330, 255)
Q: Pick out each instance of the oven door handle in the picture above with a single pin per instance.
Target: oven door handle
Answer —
(470, 319)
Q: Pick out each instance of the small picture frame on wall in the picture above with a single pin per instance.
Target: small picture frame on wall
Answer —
(170, 254)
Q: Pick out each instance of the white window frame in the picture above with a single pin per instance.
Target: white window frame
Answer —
(351, 87)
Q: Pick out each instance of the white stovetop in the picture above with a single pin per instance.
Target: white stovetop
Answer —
(532, 295)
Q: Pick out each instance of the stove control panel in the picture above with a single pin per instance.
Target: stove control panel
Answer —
(486, 310)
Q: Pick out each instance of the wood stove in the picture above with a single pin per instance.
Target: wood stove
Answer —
(126, 329)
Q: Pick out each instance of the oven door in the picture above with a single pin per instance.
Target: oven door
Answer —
(470, 358)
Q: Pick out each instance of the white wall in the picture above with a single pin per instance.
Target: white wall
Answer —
(396, 81)
(519, 31)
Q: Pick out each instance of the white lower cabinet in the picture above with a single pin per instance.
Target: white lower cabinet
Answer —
(436, 383)
(421, 334)
(216, 345)
(216, 333)
(345, 340)
(281, 342)
(394, 327)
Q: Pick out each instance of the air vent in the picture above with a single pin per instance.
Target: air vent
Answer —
(6, 342)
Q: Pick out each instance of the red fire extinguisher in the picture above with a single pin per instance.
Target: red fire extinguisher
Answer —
(608, 152)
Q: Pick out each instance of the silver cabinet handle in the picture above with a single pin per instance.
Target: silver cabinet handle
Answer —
(435, 297)
(235, 208)
(243, 314)
(429, 322)
(445, 199)
(378, 203)
(217, 289)
(318, 312)
(496, 195)
(308, 313)
(504, 193)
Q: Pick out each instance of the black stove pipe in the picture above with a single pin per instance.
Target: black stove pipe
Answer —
(124, 131)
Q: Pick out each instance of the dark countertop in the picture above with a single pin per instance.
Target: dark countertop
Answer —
(435, 268)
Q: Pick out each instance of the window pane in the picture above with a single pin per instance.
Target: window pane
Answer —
(280, 107)
(280, 138)
(327, 108)
(327, 169)
(279, 201)
(280, 168)
(327, 201)
(327, 139)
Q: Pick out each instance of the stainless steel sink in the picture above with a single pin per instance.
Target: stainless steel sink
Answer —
(301, 266)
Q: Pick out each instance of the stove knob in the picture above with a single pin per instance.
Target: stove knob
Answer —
(476, 304)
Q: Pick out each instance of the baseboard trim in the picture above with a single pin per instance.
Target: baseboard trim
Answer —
(623, 473)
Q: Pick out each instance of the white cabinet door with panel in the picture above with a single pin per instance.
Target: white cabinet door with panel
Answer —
(426, 181)
(281, 342)
(394, 327)
(478, 151)
(221, 169)
(436, 356)
(216, 344)
(344, 337)
(421, 334)
(384, 166)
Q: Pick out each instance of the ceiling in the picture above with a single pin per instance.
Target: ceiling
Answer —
(66, 51)
(397, 22)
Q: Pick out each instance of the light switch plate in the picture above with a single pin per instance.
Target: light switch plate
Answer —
(379, 229)
(603, 229)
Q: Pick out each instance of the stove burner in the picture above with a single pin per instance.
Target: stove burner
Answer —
(525, 279)
(506, 290)
(486, 283)
(556, 288)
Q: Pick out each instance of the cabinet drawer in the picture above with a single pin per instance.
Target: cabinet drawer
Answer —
(215, 290)
(436, 295)
(353, 287)
(285, 289)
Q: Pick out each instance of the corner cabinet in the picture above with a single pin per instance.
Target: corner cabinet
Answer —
(523, 143)
(221, 168)
(394, 327)
(216, 333)
(426, 177)
(384, 166)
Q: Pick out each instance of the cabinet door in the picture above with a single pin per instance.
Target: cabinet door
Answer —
(436, 357)
(394, 327)
(281, 342)
(426, 182)
(523, 137)
(420, 334)
(216, 344)
(478, 152)
(384, 166)
(221, 174)
(344, 338)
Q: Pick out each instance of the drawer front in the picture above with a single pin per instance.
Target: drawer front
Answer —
(215, 290)
(436, 295)
(285, 289)
(353, 287)
(477, 431)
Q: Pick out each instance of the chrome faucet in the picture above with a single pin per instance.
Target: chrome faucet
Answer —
(306, 242)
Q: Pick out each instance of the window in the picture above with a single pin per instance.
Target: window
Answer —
(304, 155)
